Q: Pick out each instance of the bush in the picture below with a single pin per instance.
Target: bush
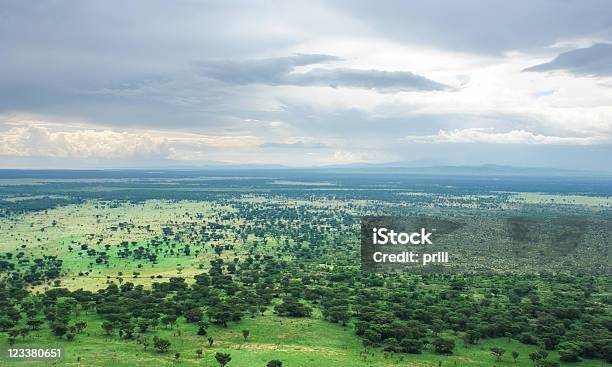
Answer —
(162, 345)
(569, 352)
(274, 363)
(413, 346)
(443, 346)
(293, 308)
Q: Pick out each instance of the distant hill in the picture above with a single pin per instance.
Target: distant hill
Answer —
(479, 170)
(488, 170)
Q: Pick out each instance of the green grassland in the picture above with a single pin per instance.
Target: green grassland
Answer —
(544, 198)
(297, 342)
(310, 237)
(96, 223)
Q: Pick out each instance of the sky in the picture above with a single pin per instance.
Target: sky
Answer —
(111, 84)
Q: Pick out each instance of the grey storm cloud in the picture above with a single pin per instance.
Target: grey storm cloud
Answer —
(265, 71)
(280, 71)
(595, 60)
(143, 67)
(370, 79)
(482, 26)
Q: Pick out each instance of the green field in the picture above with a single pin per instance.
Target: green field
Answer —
(122, 253)
(300, 343)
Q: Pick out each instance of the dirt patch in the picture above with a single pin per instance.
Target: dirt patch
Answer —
(287, 348)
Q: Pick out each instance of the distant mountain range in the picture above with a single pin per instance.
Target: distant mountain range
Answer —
(360, 168)
(478, 170)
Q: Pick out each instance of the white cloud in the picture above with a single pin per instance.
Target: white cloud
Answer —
(487, 136)
(144, 96)
(43, 139)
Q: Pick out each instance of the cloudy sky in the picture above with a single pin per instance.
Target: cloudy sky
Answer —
(192, 83)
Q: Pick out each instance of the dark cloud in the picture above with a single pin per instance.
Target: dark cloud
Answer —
(369, 79)
(265, 71)
(595, 60)
(115, 64)
(93, 60)
(482, 26)
(280, 71)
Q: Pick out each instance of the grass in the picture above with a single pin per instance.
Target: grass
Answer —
(296, 342)
(542, 198)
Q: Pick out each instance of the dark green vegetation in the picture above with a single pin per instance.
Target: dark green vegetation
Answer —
(231, 269)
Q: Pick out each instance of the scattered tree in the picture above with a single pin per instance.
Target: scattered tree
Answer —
(222, 358)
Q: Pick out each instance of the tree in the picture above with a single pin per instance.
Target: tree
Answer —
(177, 356)
(127, 329)
(193, 315)
(245, 334)
(222, 358)
(220, 314)
(34, 324)
(80, 326)
(210, 341)
(169, 320)
(199, 352)
(515, 355)
(371, 337)
(570, 352)
(108, 327)
(6, 324)
(162, 345)
(274, 363)
(538, 356)
(413, 346)
(59, 329)
(202, 328)
(391, 345)
(153, 322)
(498, 353)
(293, 308)
(337, 312)
(471, 337)
(443, 346)
(143, 325)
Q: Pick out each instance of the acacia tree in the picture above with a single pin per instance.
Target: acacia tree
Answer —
(443, 346)
(223, 358)
(498, 353)
(202, 328)
(162, 345)
(59, 329)
(108, 327)
(169, 320)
